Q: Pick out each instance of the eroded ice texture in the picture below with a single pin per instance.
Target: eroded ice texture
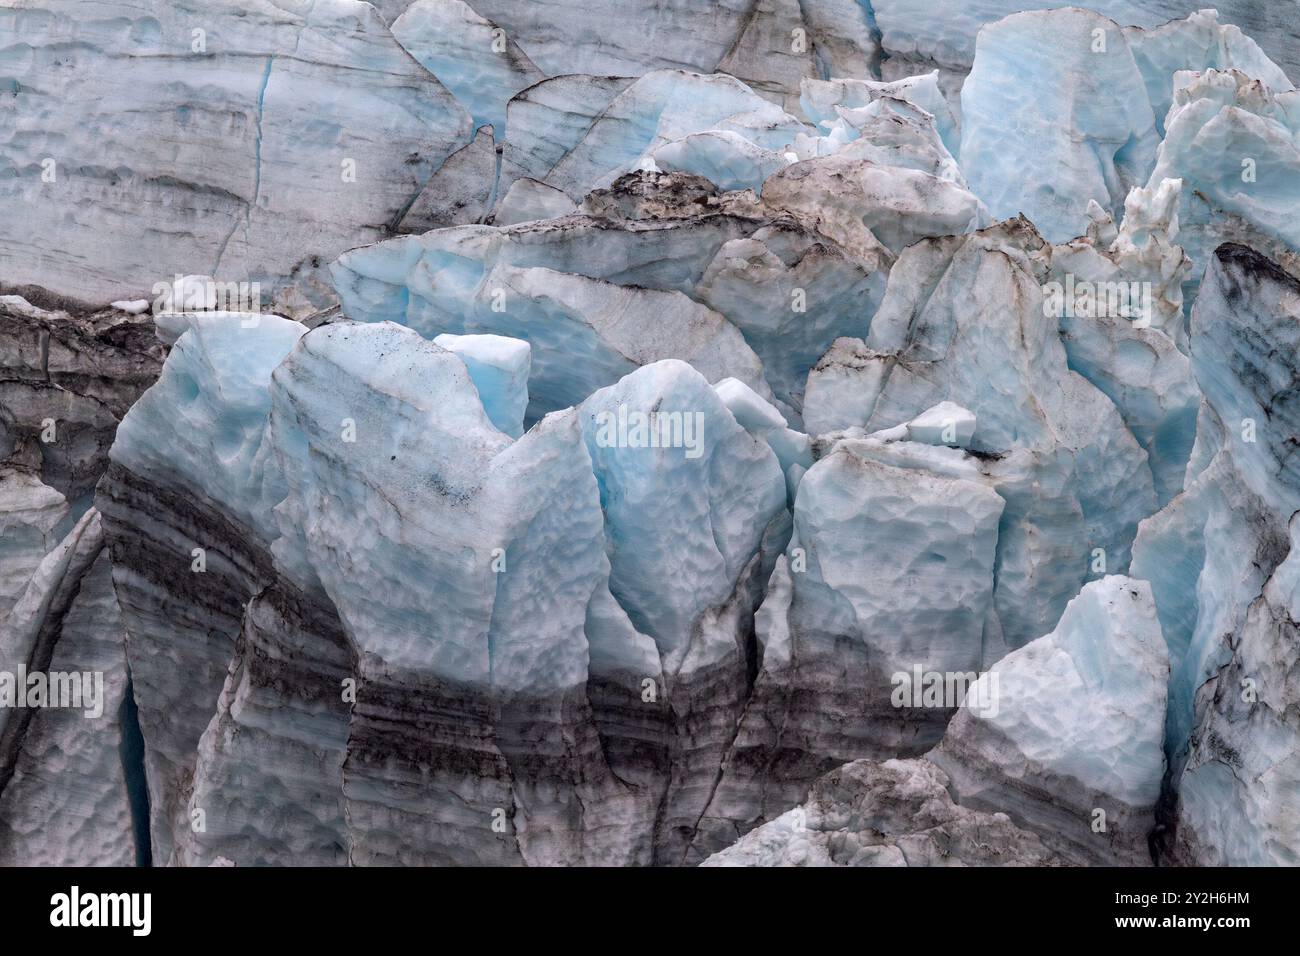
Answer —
(64, 797)
(963, 321)
(919, 35)
(749, 290)
(891, 813)
(1231, 138)
(1073, 726)
(1217, 558)
(251, 116)
(1043, 742)
(670, 381)
(1041, 81)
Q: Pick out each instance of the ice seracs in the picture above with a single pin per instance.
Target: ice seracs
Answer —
(1219, 560)
(963, 321)
(1035, 88)
(1231, 138)
(647, 435)
(498, 366)
(1050, 769)
(1073, 748)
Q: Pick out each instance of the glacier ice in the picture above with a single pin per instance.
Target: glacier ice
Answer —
(1075, 714)
(781, 433)
(461, 191)
(890, 813)
(528, 200)
(65, 798)
(1231, 138)
(268, 141)
(963, 321)
(32, 512)
(1217, 559)
(1018, 779)
(498, 366)
(460, 47)
(918, 35)
(1040, 82)
(723, 157)
(750, 290)
(945, 424)
(822, 100)
(659, 108)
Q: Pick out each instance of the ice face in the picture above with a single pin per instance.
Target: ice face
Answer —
(442, 467)
(771, 47)
(791, 295)
(1210, 551)
(640, 411)
(498, 367)
(1067, 701)
(65, 798)
(527, 200)
(1078, 466)
(716, 533)
(1026, 101)
(477, 62)
(630, 122)
(1223, 822)
(255, 183)
(32, 513)
(1045, 737)
(461, 191)
(201, 426)
(1119, 302)
(1222, 129)
(793, 449)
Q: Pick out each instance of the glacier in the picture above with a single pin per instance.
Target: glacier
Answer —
(468, 432)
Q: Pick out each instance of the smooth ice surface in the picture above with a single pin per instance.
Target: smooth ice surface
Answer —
(498, 366)
(527, 200)
(478, 63)
(944, 424)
